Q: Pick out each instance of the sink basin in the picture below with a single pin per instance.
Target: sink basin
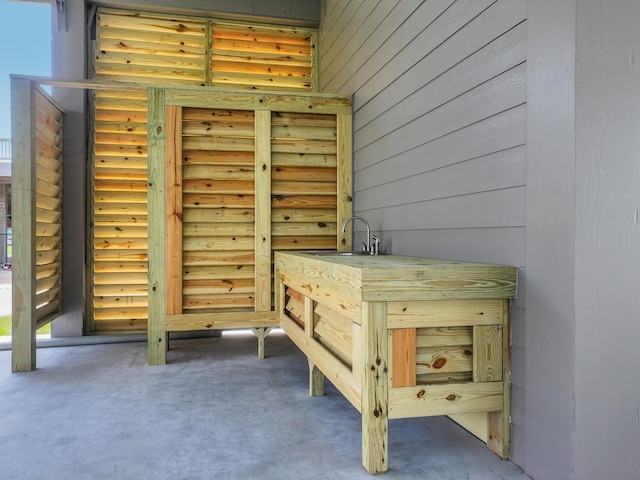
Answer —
(337, 254)
(341, 254)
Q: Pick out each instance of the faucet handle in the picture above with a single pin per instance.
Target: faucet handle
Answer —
(375, 248)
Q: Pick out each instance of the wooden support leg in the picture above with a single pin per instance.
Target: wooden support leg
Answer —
(261, 333)
(316, 377)
(499, 423)
(157, 347)
(316, 380)
(375, 393)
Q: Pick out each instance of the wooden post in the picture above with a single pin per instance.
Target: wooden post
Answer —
(499, 423)
(344, 132)
(375, 393)
(173, 186)
(157, 336)
(23, 128)
(263, 210)
(316, 377)
(263, 219)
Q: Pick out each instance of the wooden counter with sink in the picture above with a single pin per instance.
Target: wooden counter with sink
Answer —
(402, 337)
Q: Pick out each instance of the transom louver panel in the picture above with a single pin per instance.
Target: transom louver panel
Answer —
(134, 46)
(258, 57)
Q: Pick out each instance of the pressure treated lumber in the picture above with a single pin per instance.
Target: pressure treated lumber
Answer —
(23, 352)
(138, 50)
(157, 337)
(37, 125)
(429, 349)
(228, 207)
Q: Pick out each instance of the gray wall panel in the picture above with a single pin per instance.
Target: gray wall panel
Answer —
(490, 245)
(503, 131)
(440, 130)
(496, 171)
(607, 194)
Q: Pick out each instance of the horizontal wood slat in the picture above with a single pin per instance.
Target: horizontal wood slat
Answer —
(426, 400)
(261, 56)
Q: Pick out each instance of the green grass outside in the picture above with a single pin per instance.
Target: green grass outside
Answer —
(5, 327)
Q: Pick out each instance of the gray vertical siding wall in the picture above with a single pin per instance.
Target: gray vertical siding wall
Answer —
(439, 131)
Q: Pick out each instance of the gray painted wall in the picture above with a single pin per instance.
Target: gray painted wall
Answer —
(583, 283)
(607, 240)
(68, 54)
(439, 132)
(457, 156)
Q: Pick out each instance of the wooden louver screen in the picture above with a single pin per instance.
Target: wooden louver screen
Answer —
(260, 57)
(135, 47)
(138, 47)
(120, 210)
(48, 172)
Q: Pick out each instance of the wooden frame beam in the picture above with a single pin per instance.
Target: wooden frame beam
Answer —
(23, 127)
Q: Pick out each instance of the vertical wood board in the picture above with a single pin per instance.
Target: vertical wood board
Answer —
(173, 195)
(157, 337)
(263, 210)
(23, 320)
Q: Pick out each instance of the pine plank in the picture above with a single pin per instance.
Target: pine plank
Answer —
(263, 187)
(487, 353)
(403, 357)
(421, 400)
(173, 210)
(157, 340)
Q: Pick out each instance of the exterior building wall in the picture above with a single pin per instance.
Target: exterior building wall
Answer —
(439, 132)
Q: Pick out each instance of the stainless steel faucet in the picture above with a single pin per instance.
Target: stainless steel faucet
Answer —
(366, 247)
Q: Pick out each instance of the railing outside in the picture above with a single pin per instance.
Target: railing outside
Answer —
(5, 149)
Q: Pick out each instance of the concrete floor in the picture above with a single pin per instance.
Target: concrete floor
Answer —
(214, 412)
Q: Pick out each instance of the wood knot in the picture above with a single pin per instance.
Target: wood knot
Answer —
(451, 397)
(439, 363)
(421, 394)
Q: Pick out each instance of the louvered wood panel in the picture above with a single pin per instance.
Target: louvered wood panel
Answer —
(131, 47)
(48, 215)
(160, 49)
(262, 57)
(119, 211)
(153, 49)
